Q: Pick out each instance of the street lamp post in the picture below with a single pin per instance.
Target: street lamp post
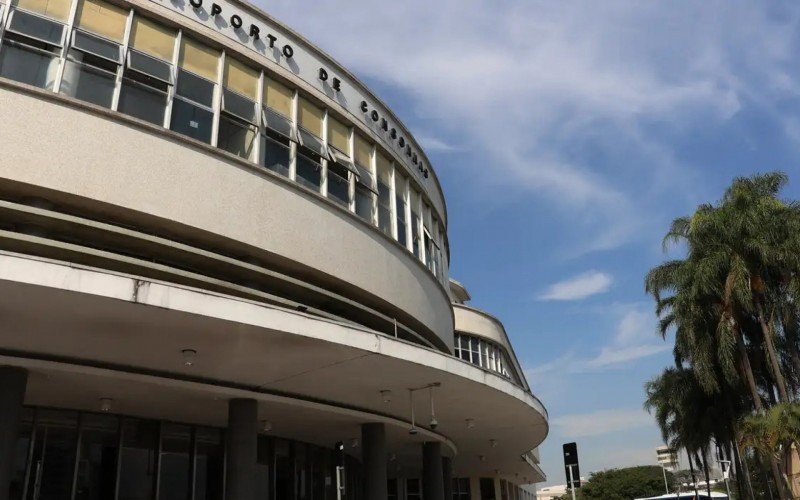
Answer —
(571, 482)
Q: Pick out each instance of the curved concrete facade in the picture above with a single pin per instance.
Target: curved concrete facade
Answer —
(109, 161)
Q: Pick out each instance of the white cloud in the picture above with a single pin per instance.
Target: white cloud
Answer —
(611, 356)
(557, 98)
(601, 422)
(431, 143)
(634, 337)
(579, 287)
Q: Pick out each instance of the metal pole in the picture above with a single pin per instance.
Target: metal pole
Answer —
(666, 487)
(571, 482)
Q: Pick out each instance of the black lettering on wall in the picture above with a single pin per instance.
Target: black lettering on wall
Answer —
(337, 84)
(215, 9)
(272, 40)
(288, 51)
(364, 106)
(374, 115)
(196, 3)
(236, 21)
(323, 75)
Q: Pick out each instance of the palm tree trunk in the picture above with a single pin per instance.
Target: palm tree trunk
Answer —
(742, 473)
(780, 484)
(691, 468)
(771, 353)
(744, 361)
(705, 472)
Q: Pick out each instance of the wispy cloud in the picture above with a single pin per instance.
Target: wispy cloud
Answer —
(578, 287)
(431, 143)
(633, 339)
(601, 422)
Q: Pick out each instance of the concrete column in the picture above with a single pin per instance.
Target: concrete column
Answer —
(373, 455)
(12, 395)
(432, 474)
(242, 447)
(447, 474)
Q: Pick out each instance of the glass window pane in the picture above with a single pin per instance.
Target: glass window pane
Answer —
(55, 9)
(58, 431)
(339, 183)
(37, 27)
(209, 465)
(401, 233)
(278, 122)
(364, 202)
(195, 88)
(138, 467)
(97, 462)
(150, 66)
(142, 102)
(236, 137)
(175, 454)
(21, 449)
(308, 172)
(312, 142)
(87, 42)
(363, 152)
(310, 117)
(152, 38)
(385, 220)
(275, 155)
(241, 78)
(284, 470)
(199, 59)
(26, 66)
(88, 84)
(239, 105)
(102, 18)
(339, 135)
(263, 467)
(191, 120)
(278, 97)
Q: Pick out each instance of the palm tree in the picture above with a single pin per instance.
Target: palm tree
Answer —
(773, 433)
(734, 300)
(685, 413)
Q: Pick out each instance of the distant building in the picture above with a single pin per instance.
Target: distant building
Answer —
(668, 458)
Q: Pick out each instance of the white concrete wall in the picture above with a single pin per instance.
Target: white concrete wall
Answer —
(100, 157)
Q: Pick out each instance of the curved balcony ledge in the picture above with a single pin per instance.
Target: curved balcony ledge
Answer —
(118, 322)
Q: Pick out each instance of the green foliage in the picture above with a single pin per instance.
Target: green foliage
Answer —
(624, 484)
(733, 304)
(773, 431)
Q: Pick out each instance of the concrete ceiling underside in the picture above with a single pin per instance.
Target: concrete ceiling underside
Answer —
(85, 335)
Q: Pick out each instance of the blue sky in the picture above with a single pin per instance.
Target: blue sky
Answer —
(567, 135)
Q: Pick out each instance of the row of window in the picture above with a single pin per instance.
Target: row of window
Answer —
(482, 353)
(87, 456)
(112, 57)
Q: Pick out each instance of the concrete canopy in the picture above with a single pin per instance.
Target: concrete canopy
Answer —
(86, 334)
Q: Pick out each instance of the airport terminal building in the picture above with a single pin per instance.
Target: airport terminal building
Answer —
(224, 275)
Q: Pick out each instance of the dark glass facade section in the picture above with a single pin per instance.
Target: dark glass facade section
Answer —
(63, 455)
